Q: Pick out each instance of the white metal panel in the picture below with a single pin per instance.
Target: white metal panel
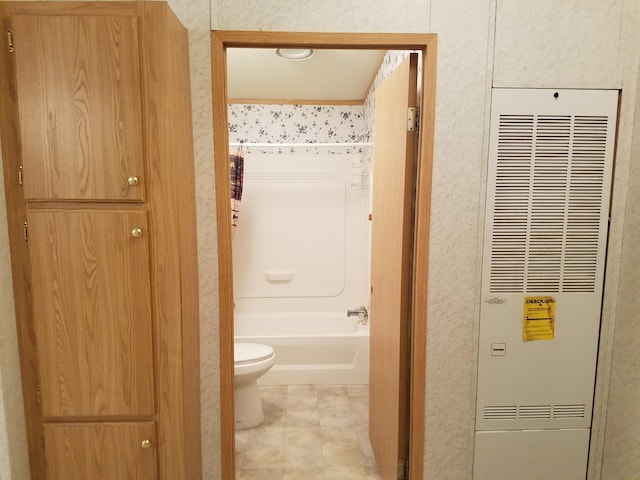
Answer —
(549, 178)
(531, 455)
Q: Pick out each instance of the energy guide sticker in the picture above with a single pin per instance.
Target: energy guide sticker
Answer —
(539, 318)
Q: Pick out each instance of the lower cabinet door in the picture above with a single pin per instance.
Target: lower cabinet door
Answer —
(100, 451)
(92, 312)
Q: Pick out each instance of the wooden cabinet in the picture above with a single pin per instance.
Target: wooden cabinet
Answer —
(101, 450)
(92, 311)
(79, 99)
(98, 161)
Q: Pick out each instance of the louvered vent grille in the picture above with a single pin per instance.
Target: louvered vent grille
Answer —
(528, 412)
(585, 203)
(500, 412)
(547, 205)
(511, 207)
(534, 411)
(568, 411)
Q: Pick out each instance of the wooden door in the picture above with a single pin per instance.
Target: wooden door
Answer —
(78, 83)
(101, 451)
(390, 268)
(92, 312)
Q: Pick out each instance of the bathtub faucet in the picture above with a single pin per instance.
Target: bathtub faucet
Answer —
(360, 312)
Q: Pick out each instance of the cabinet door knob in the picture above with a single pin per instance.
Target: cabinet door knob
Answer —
(136, 232)
(133, 181)
(146, 443)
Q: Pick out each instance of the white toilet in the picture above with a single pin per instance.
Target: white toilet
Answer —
(251, 361)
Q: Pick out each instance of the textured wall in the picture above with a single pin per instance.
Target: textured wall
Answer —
(461, 105)
(573, 44)
(621, 458)
(325, 16)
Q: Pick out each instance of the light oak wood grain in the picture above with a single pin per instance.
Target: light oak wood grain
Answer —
(20, 263)
(117, 8)
(391, 244)
(419, 294)
(225, 259)
(335, 40)
(168, 144)
(167, 188)
(100, 451)
(78, 80)
(92, 306)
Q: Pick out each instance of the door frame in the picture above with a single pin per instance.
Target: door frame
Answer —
(426, 44)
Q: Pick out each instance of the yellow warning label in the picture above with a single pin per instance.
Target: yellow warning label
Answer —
(539, 318)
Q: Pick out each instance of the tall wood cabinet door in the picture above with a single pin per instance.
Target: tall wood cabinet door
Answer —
(92, 312)
(78, 84)
(100, 451)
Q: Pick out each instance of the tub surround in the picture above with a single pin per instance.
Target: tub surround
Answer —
(311, 348)
(301, 243)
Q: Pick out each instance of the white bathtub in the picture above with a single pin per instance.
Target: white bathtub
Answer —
(318, 349)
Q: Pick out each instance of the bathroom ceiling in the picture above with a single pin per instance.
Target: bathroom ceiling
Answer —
(329, 75)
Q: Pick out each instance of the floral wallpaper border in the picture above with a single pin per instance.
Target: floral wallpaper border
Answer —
(252, 123)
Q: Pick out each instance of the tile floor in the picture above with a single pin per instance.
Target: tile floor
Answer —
(310, 432)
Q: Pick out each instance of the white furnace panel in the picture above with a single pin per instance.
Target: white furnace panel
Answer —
(549, 180)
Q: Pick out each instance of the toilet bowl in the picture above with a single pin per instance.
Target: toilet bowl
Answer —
(251, 361)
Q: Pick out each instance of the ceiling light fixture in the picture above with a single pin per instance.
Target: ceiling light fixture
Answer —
(295, 53)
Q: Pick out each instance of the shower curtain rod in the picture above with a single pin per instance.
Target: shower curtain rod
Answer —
(268, 145)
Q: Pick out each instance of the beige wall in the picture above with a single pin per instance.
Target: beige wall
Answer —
(195, 15)
(576, 43)
(621, 459)
(14, 462)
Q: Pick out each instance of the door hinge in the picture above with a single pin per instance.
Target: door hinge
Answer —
(20, 176)
(26, 232)
(403, 469)
(38, 396)
(10, 40)
(413, 119)
(42, 440)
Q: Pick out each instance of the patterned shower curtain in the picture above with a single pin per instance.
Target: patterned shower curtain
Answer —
(236, 164)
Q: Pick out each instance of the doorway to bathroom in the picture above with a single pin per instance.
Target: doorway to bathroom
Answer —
(417, 212)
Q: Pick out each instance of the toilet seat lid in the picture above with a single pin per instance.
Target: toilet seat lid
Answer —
(250, 352)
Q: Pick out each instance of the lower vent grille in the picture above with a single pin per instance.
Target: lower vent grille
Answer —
(500, 413)
(534, 411)
(568, 411)
(527, 412)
